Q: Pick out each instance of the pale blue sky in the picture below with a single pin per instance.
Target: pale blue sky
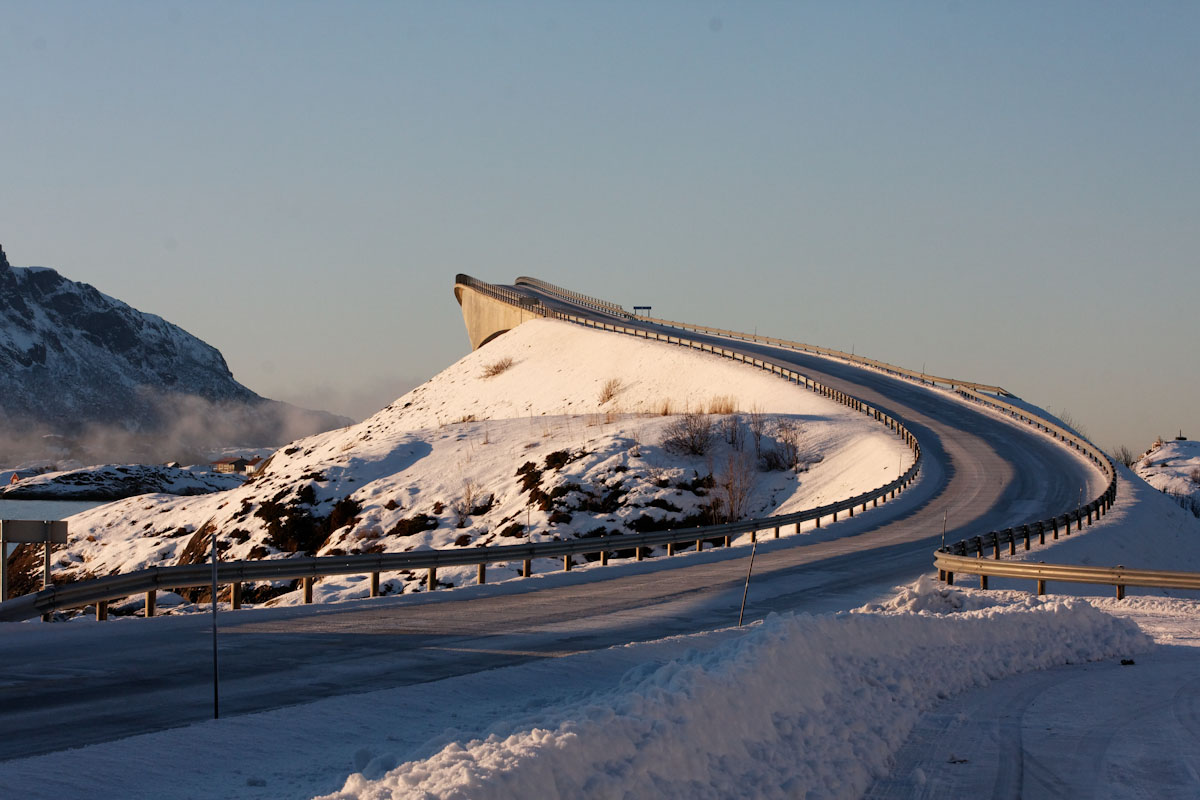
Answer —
(1004, 192)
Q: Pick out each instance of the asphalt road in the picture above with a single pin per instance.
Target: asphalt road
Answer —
(102, 682)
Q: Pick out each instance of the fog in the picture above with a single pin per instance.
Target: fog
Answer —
(186, 428)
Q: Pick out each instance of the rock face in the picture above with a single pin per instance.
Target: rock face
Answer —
(87, 367)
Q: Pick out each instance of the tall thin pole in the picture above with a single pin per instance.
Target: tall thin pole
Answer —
(216, 672)
(746, 588)
(944, 513)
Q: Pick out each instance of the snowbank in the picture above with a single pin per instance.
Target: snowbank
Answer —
(799, 706)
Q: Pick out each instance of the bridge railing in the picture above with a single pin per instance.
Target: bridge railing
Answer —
(882, 366)
(574, 297)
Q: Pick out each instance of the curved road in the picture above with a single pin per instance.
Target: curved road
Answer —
(130, 677)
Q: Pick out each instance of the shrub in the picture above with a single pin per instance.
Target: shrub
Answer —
(497, 367)
(609, 390)
(786, 452)
(1126, 456)
(735, 483)
(1195, 475)
(690, 434)
(732, 431)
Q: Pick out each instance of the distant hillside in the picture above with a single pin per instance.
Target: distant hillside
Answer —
(104, 379)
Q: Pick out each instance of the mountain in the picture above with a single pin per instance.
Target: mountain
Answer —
(101, 378)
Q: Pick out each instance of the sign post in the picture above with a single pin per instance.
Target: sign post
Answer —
(29, 531)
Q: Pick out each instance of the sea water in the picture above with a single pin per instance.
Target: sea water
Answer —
(44, 510)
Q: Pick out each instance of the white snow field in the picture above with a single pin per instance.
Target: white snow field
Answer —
(925, 691)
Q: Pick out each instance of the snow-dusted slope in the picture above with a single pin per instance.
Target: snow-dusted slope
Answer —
(1174, 468)
(79, 363)
(550, 431)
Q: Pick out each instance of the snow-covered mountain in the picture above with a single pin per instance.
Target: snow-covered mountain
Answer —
(85, 366)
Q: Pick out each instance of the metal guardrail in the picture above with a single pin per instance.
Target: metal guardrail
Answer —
(574, 297)
(1093, 510)
(883, 366)
(1118, 576)
(102, 590)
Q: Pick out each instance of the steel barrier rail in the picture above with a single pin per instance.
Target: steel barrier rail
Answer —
(101, 590)
(574, 297)
(1093, 510)
(883, 366)
(1118, 576)
(82, 593)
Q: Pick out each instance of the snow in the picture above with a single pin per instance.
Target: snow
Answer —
(904, 696)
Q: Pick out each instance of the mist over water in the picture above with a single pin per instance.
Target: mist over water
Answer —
(186, 428)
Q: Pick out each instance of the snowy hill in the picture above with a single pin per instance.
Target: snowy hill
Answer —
(1174, 468)
(112, 379)
(550, 431)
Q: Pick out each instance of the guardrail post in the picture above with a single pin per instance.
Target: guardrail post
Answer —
(726, 540)
(1120, 591)
(567, 563)
(1089, 516)
(481, 578)
(1025, 530)
(1042, 532)
(150, 597)
(431, 579)
(1041, 587)
(1012, 544)
(851, 511)
(236, 594)
(835, 516)
(670, 548)
(101, 610)
(996, 547)
(949, 578)
(527, 568)
(699, 545)
(374, 584)
(818, 521)
(983, 581)
(604, 558)
(1054, 522)
(777, 531)
(308, 582)
(1078, 520)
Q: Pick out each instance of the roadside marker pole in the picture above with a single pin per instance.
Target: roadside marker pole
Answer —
(746, 588)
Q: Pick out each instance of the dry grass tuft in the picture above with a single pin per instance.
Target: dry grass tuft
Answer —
(722, 404)
(609, 390)
(497, 367)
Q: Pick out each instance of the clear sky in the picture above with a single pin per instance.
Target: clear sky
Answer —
(1006, 192)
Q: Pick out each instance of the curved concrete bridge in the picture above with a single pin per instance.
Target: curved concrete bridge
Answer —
(489, 312)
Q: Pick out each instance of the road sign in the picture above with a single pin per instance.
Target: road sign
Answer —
(32, 531)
